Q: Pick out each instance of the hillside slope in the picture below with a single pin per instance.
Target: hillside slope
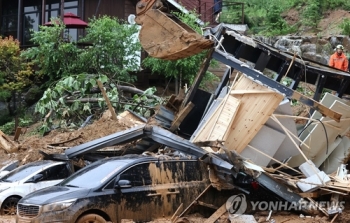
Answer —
(328, 25)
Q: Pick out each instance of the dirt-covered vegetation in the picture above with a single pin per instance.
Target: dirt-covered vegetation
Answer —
(269, 17)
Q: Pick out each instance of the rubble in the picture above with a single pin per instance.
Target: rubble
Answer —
(247, 135)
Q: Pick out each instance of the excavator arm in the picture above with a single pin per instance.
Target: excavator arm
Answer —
(164, 36)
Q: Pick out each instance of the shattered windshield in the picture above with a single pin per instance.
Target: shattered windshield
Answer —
(94, 174)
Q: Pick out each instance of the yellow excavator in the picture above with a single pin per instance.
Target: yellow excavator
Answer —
(164, 36)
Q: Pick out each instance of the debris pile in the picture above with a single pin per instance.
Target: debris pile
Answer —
(245, 132)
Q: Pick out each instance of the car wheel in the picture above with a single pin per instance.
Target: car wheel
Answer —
(9, 207)
(91, 218)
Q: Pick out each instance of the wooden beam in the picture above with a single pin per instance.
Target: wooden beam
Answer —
(312, 195)
(181, 116)
(17, 133)
(110, 107)
(201, 203)
(195, 201)
(317, 106)
(175, 217)
(217, 214)
(204, 67)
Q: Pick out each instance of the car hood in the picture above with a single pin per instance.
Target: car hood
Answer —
(54, 194)
(4, 185)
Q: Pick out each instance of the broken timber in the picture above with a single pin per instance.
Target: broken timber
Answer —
(192, 91)
(7, 144)
(255, 109)
(216, 127)
(258, 76)
(180, 117)
(217, 214)
(110, 107)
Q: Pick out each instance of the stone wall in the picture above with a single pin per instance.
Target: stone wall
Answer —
(314, 48)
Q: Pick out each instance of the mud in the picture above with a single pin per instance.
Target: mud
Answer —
(7, 219)
(31, 142)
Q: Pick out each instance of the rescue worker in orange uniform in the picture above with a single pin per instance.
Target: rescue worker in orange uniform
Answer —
(338, 59)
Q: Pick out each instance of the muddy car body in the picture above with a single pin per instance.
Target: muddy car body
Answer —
(139, 188)
(28, 178)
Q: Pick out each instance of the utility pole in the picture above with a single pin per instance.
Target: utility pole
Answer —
(62, 10)
(43, 4)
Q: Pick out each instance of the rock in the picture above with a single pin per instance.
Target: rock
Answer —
(242, 218)
(305, 39)
(308, 48)
(334, 41)
(322, 41)
(346, 42)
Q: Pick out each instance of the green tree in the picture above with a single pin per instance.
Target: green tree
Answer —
(15, 73)
(110, 52)
(184, 69)
(71, 93)
(114, 51)
(54, 56)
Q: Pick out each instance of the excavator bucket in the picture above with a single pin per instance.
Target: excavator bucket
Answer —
(165, 37)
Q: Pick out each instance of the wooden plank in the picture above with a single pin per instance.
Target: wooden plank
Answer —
(203, 69)
(174, 217)
(17, 133)
(7, 144)
(317, 106)
(195, 201)
(201, 203)
(312, 194)
(229, 112)
(202, 135)
(254, 111)
(318, 206)
(111, 109)
(217, 214)
(181, 116)
(218, 124)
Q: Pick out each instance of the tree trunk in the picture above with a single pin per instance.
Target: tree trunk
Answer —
(176, 86)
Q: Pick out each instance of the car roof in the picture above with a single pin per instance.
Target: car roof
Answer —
(43, 163)
(141, 158)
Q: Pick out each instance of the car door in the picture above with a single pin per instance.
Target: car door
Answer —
(140, 201)
(51, 176)
(189, 180)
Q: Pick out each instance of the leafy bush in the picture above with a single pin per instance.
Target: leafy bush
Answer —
(9, 127)
(15, 73)
(65, 99)
(345, 26)
(312, 13)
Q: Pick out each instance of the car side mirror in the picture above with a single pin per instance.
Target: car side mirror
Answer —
(35, 178)
(123, 184)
